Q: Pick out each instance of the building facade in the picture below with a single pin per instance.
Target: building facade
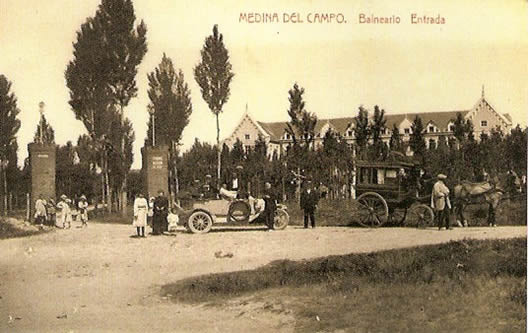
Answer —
(436, 124)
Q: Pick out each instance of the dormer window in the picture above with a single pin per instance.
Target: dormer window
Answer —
(431, 129)
(451, 128)
(247, 136)
(350, 133)
(407, 130)
(483, 123)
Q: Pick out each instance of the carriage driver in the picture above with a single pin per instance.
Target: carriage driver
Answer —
(440, 201)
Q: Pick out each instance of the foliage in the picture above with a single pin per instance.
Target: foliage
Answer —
(9, 126)
(101, 79)
(48, 134)
(170, 99)
(395, 142)
(214, 74)
(362, 131)
(416, 140)
(302, 123)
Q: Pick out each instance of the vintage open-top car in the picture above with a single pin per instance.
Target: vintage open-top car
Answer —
(203, 214)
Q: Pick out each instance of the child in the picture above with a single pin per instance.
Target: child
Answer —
(173, 220)
(64, 210)
(83, 211)
(68, 219)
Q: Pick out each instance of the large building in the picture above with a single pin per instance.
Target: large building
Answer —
(483, 116)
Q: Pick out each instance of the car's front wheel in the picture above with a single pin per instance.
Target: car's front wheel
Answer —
(200, 222)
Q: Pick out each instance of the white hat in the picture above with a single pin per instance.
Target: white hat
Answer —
(441, 176)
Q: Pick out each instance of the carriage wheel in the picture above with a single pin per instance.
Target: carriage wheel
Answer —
(372, 210)
(281, 219)
(200, 222)
(420, 216)
(397, 216)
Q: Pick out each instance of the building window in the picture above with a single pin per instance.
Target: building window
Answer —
(431, 129)
(406, 131)
(350, 133)
(451, 128)
(247, 136)
(432, 144)
(483, 123)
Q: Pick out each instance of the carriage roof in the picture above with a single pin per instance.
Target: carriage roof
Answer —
(386, 164)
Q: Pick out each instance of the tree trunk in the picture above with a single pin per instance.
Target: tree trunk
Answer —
(218, 149)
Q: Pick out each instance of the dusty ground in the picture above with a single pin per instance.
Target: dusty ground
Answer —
(101, 279)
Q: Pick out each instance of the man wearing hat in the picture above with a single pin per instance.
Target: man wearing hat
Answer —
(83, 210)
(309, 200)
(440, 201)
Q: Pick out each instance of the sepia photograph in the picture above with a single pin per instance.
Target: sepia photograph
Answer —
(263, 166)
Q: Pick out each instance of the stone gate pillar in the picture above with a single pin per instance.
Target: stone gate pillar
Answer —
(42, 160)
(155, 170)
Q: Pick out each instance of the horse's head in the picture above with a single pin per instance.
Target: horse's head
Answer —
(508, 181)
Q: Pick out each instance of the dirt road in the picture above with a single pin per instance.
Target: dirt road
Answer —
(101, 279)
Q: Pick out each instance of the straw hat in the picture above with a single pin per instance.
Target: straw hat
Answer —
(441, 176)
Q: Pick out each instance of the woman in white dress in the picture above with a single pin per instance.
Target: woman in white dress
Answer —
(140, 214)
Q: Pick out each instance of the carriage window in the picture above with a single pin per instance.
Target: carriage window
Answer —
(391, 173)
(381, 176)
(364, 175)
(374, 177)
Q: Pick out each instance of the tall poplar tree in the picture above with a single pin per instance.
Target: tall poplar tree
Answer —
(214, 74)
(9, 126)
(101, 77)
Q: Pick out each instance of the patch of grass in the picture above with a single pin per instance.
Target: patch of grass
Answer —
(454, 260)
(469, 285)
(9, 230)
(338, 212)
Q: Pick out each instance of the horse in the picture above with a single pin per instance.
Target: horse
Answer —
(490, 192)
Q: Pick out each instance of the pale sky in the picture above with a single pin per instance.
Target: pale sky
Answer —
(401, 67)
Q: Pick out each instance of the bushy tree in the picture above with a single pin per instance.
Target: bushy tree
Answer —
(101, 77)
(45, 130)
(416, 140)
(170, 99)
(301, 126)
(9, 126)
(362, 131)
(395, 142)
(379, 149)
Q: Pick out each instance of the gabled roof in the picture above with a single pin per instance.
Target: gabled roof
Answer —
(275, 129)
(440, 119)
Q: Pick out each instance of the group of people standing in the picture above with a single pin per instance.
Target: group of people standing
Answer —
(62, 213)
(156, 210)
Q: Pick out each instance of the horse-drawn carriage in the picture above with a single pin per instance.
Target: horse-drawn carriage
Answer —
(392, 192)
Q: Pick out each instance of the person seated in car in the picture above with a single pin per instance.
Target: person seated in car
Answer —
(196, 191)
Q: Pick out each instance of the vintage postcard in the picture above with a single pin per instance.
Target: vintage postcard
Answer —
(265, 166)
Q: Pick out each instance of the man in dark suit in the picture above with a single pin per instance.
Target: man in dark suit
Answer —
(270, 206)
(309, 201)
(161, 210)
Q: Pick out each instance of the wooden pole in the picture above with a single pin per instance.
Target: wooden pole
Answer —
(28, 206)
